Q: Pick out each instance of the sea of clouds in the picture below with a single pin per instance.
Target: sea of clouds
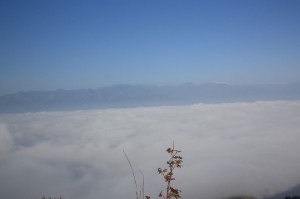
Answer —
(228, 149)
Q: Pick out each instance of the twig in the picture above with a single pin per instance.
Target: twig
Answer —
(136, 189)
(143, 187)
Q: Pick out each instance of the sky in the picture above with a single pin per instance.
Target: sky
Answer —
(47, 45)
(227, 149)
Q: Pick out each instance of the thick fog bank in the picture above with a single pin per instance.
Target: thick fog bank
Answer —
(228, 149)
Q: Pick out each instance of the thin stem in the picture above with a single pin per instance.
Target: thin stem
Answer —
(143, 188)
(171, 171)
(136, 189)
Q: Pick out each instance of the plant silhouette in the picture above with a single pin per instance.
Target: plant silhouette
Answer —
(173, 163)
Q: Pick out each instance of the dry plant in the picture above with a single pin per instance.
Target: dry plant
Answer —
(51, 198)
(173, 163)
(134, 179)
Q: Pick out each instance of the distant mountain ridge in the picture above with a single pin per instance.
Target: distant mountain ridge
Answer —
(144, 95)
(291, 193)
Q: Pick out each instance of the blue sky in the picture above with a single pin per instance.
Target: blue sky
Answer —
(46, 45)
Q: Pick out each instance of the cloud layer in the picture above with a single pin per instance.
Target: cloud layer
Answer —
(228, 149)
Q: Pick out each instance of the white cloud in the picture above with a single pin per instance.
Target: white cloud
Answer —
(6, 141)
(238, 148)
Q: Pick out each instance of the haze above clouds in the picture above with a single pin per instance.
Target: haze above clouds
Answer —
(228, 149)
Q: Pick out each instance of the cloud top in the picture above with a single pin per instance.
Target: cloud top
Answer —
(228, 149)
(6, 141)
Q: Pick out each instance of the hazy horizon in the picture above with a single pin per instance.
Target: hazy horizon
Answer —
(153, 84)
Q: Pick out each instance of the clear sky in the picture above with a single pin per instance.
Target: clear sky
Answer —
(51, 44)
